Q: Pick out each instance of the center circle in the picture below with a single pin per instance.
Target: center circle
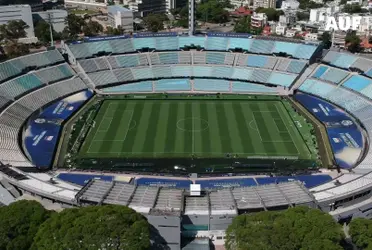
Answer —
(192, 124)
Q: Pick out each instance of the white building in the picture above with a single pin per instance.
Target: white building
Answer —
(281, 29)
(264, 3)
(238, 3)
(311, 37)
(291, 33)
(258, 20)
(55, 17)
(290, 4)
(85, 4)
(120, 16)
(288, 18)
(354, 2)
(321, 14)
(338, 39)
(19, 12)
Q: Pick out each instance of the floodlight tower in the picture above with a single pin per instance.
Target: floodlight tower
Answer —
(191, 17)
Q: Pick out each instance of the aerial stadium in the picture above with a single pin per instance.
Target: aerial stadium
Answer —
(189, 130)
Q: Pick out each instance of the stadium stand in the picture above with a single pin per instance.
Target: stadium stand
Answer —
(20, 65)
(341, 60)
(25, 87)
(120, 46)
(330, 74)
(82, 179)
(12, 118)
(211, 85)
(173, 85)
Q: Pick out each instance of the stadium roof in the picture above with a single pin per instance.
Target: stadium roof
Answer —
(173, 201)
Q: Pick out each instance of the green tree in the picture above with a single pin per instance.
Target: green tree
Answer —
(13, 30)
(92, 28)
(353, 8)
(96, 227)
(302, 16)
(19, 223)
(243, 25)
(42, 32)
(326, 40)
(361, 233)
(292, 229)
(213, 11)
(306, 4)
(75, 25)
(272, 14)
(114, 31)
(14, 49)
(154, 22)
(353, 42)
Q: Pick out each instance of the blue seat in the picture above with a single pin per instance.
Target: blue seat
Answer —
(211, 85)
(320, 71)
(284, 47)
(168, 58)
(140, 43)
(281, 79)
(240, 43)
(215, 58)
(357, 83)
(181, 71)
(256, 61)
(262, 46)
(173, 85)
(145, 86)
(334, 75)
(296, 66)
(216, 43)
(127, 61)
(251, 88)
(193, 40)
(166, 43)
(304, 51)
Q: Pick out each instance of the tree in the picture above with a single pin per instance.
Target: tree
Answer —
(74, 26)
(14, 49)
(243, 25)
(353, 8)
(292, 229)
(213, 11)
(42, 32)
(13, 30)
(96, 227)
(154, 22)
(19, 223)
(361, 233)
(353, 42)
(326, 40)
(114, 31)
(272, 14)
(306, 4)
(302, 16)
(92, 28)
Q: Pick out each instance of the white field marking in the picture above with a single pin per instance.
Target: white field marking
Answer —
(290, 134)
(128, 124)
(250, 125)
(258, 131)
(95, 133)
(104, 130)
(189, 153)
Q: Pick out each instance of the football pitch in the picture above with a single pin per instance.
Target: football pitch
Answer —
(193, 128)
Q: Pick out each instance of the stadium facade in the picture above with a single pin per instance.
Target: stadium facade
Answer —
(40, 92)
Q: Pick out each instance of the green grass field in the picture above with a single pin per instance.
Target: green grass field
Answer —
(199, 128)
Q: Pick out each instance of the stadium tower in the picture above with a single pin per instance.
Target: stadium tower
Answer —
(191, 17)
